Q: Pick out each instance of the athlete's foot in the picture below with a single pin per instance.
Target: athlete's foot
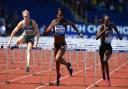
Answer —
(15, 46)
(27, 69)
(70, 69)
(58, 80)
(108, 83)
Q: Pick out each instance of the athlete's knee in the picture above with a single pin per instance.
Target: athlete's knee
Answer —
(29, 50)
(18, 42)
(106, 58)
(58, 58)
(105, 61)
(108, 53)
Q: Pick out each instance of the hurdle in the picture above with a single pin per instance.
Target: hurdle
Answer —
(70, 60)
(6, 63)
(6, 66)
(51, 66)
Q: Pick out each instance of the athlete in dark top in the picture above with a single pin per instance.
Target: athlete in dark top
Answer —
(59, 25)
(105, 33)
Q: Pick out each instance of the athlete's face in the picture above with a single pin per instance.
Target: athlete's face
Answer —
(106, 20)
(26, 16)
(60, 16)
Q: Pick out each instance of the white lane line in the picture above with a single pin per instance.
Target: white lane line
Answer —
(63, 78)
(9, 70)
(110, 74)
(28, 75)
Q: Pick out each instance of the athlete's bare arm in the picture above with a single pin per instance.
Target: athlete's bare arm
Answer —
(53, 23)
(36, 32)
(17, 28)
(100, 32)
(74, 27)
(119, 36)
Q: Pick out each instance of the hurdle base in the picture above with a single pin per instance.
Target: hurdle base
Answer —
(96, 85)
(51, 84)
(85, 85)
(2, 46)
(34, 74)
(7, 82)
(42, 83)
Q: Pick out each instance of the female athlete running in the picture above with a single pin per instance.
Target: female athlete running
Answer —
(59, 25)
(105, 33)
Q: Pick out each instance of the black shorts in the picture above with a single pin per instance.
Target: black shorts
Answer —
(59, 45)
(103, 48)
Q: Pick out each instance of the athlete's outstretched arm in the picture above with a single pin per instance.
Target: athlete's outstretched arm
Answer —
(115, 28)
(17, 28)
(100, 32)
(74, 27)
(49, 28)
(36, 32)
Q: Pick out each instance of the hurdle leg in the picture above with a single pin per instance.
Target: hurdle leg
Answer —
(85, 69)
(41, 69)
(33, 62)
(115, 63)
(6, 66)
(99, 67)
(13, 56)
(21, 55)
(51, 63)
(77, 59)
(95, 69)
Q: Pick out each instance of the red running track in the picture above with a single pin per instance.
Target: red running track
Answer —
(35, 79)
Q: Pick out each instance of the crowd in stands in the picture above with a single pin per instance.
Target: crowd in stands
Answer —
(82, 7)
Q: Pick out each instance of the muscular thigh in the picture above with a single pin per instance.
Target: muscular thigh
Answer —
(60, 52)
(107, 54)
(20, 40)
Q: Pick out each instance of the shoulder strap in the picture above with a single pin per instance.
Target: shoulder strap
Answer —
(30, 23)
(23, 24)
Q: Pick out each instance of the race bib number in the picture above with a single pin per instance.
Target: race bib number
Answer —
(108, 40)
(59, 30)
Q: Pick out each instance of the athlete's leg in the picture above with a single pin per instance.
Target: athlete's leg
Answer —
(57, 68)
(57, 62)
(20, 40)
(102, 66)
(59, 56)
(107, 55)
(29, 48)
(60, 59)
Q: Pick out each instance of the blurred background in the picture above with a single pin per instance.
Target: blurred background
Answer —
(84, 13)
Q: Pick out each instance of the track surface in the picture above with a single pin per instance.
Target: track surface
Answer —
(40, 73)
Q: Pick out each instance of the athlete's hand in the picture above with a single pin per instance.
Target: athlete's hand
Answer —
(54, 23)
